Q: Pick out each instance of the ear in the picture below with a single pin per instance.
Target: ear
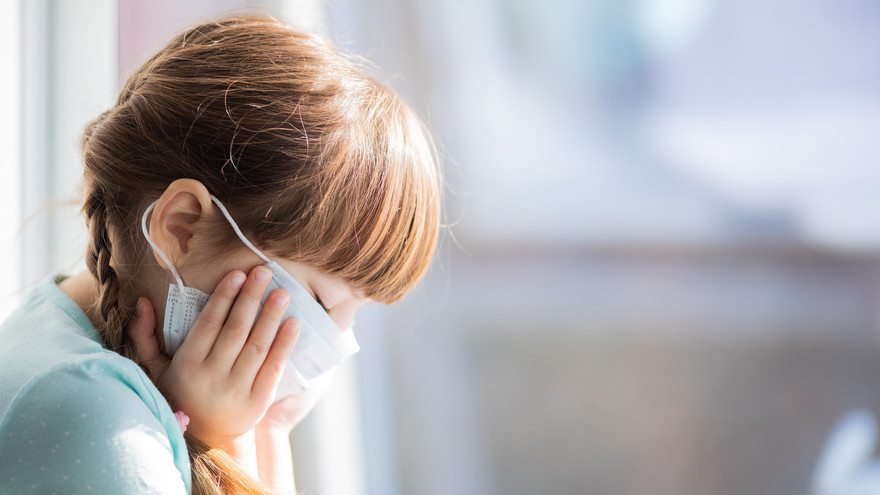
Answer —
(179, 210)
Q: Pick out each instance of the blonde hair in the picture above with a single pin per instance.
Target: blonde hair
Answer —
(316, 161)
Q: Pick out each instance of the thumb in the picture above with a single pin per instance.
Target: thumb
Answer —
(141, 331)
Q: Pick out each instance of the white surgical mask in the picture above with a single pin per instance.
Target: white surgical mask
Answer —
(320, 347)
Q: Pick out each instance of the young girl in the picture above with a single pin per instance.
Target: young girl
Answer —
(244, 155)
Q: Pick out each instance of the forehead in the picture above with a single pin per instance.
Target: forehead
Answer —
(319, 282)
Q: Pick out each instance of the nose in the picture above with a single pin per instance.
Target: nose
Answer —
(343, 314)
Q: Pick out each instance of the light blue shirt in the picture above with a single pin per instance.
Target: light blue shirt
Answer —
(76, 417)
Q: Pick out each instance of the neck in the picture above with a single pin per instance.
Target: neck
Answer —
(83, 290)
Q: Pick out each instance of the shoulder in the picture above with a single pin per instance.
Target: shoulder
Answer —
(40, 335)
(89, 426)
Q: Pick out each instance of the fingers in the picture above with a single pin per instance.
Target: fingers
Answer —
(142, 332)
(270, 372)
(241, 319)
(229, 336)
(284, 414)
(203, 334)
(262, 335)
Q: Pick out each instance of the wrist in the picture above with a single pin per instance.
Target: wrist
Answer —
(242, 448)
(269, 431)
(228, 443)
(275, 459)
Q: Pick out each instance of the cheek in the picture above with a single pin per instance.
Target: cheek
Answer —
(206, 274)
(342, 321)
(343, 316)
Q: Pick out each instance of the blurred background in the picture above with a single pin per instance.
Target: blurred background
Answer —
(661, 269)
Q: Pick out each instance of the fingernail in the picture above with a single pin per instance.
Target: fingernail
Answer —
(139, 308)
(262, 274)
(293, 326)
(237, 280)
(280, 299)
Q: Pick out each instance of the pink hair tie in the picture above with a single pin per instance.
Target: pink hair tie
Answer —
(183, 419)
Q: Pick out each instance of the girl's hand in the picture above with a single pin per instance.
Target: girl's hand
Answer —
(272, 442)
(226, 371)
(285, 414)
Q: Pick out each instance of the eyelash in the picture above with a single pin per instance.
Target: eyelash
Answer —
(318, 299)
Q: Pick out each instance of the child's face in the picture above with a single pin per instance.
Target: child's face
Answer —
(338, 298)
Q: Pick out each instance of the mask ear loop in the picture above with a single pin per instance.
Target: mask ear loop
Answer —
(171, 265)
(159, 251)
(238, 231)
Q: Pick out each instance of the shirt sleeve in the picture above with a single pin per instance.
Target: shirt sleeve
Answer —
(75, 432)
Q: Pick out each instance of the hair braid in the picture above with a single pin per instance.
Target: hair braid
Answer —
(113, 314)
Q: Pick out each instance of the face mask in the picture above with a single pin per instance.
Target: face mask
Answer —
(320, 347)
